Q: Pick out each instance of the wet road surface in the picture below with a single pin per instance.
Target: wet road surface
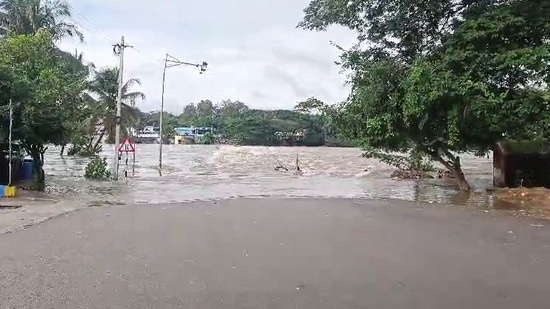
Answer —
(278, 253)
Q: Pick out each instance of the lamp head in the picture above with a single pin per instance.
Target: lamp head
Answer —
(203, 67)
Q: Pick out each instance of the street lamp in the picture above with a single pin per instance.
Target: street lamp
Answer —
(170, 62)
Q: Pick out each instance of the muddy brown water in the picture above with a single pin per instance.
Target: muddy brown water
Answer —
(198, 172)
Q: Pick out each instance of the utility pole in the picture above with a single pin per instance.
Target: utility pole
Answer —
(118, 49)
(10, 147)
(170, 62)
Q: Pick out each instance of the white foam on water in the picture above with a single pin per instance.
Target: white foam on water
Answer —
(192, 172)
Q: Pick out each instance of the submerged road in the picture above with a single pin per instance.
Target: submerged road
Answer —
(278, 253)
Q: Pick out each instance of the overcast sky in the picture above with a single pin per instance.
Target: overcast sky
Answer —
(254, 52)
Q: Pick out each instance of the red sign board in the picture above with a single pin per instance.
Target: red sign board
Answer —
(126, 146)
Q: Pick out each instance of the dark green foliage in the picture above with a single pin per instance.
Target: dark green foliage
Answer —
(442, 76)
(97, 169)
(45, 91)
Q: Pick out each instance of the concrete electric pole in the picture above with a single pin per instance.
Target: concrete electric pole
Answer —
(118, 49)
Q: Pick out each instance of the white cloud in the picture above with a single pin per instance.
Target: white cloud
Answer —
(255, 53)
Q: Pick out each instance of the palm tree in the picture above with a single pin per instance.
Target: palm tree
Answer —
(29, 16)
(105, 87)
(26, 17)
(86, 124)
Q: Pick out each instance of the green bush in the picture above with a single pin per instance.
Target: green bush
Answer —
(97, 169)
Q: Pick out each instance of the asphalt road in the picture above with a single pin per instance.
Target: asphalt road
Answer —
(278, 253)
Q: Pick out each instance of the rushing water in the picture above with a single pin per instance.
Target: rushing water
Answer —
(192, 172)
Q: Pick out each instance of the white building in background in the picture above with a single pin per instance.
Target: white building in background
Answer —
(148, 135)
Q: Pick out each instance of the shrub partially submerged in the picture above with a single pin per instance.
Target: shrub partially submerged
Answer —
(97, 169)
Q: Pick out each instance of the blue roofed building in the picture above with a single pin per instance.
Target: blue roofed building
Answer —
(189, 135)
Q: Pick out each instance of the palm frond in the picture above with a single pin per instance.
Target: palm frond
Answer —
(132, 96)
(29, 16)
(130, 83)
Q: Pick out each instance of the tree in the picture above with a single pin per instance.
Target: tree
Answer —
(316, 106)
(325, 113)
(84, 132)
(45, 91)
(189, 114)
(248, 129)
(227, 109)
(205, 114)
(105, 87)
(169, 124)
(28, 16)
(442, 77)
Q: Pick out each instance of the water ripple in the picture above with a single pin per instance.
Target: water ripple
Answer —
(194, 172)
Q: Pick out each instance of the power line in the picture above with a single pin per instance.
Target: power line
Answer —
(102, 35)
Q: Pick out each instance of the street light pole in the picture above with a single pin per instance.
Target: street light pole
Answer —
(162, 111)
(170, 62)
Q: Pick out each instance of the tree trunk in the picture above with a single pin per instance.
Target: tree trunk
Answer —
(62, 150)
(454, 166)
(99, 139)
(37, 154)
(460, 178)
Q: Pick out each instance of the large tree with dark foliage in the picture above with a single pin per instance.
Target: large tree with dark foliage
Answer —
(442, 76)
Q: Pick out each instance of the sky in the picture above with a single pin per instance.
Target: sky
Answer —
(254, 51)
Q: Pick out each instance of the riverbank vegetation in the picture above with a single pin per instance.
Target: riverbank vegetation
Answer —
(57, 98)
(441, 77)
(237, 123)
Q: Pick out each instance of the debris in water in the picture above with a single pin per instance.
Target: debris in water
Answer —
(536, 225)
(281, 168)
(10, 206)
(300, 286)
(245, 253)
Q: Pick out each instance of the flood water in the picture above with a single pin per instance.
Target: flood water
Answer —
(198, 172)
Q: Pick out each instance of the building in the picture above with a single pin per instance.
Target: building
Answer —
(147, 135)
(190, 135)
